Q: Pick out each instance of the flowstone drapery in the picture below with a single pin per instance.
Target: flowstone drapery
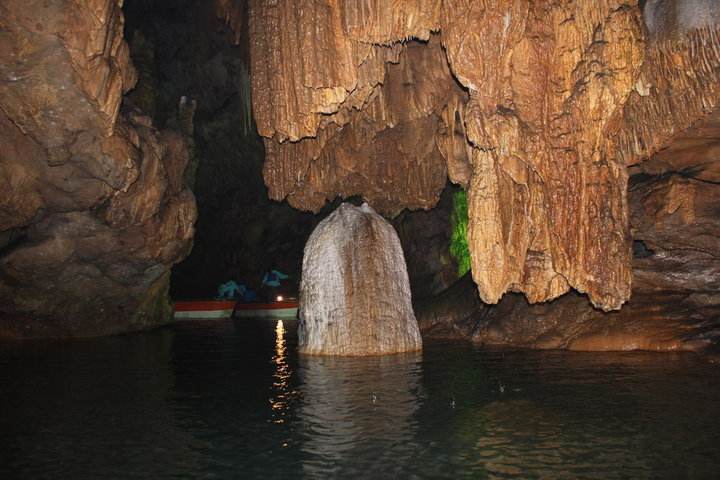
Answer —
(536, 108)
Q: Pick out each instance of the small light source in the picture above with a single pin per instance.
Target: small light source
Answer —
(279, 298)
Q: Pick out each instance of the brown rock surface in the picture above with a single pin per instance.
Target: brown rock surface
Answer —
(453, 313)
(546, 201)
(568, 323)
(355, 292)
(233, 13)
(555, 99)
(65, 67)
(348, 155)
(695, 152)
(559, 97)
(678, 221)
(675, 303)
(95, 212)
(678, 87)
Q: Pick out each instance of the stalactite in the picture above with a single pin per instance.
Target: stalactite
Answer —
(533, 107)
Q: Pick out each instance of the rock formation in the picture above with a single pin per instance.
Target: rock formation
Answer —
(94, 211)
(355, 293)
(675, 303)
(537, 108)
(540, 110)
(504, 135)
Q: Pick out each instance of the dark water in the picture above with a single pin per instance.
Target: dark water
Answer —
(234, 400)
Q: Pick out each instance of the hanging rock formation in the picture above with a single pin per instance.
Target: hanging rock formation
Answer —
(668, 135)
(510, 99)
(675, 303)
(537, 108)
(355, 293)
(94, 211)
(348, 156)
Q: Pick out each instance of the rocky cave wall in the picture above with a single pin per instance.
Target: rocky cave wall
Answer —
(537, 108)
(669, 133)
(674, 305)
(94, 210)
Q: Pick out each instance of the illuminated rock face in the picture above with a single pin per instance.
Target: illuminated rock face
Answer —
(514, 106)
(675, 303)
(355, 293)
(537, 108)
(94, 211)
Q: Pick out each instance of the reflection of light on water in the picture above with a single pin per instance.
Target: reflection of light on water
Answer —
(279, 402)
(359, 404)
(280, 340)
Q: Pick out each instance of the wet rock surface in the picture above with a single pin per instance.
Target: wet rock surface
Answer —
(96, 211)
(674, 305)
(355, 294)
(453, 313)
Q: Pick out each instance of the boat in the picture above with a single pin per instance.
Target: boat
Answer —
(279, 309)
(219, 309)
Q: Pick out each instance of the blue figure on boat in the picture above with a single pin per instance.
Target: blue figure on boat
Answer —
(231, 290)
(273, 278)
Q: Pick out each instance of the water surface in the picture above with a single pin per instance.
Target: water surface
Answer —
(233, 399)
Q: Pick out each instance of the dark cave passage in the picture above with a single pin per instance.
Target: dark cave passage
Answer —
(240, 232)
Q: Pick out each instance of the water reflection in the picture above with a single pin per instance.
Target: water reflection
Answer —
(81, 409)
(280, 400)
(356, 405)
(235, 400)
(521, 438)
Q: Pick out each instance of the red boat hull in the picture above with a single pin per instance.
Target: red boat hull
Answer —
(204, 308)
(287, 309)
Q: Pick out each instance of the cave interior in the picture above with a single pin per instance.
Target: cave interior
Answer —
(551, 168)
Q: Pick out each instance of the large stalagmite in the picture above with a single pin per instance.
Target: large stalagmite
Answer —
(355, 292)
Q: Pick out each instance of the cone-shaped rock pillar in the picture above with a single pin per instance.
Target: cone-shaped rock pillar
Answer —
(355, 293)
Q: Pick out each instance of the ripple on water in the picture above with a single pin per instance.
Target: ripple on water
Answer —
(234, 400)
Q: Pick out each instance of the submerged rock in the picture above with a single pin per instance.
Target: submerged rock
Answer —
(355, 293)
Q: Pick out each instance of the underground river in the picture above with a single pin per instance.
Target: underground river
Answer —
(233, 399)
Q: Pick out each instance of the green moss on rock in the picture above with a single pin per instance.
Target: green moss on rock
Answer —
(458, 241)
